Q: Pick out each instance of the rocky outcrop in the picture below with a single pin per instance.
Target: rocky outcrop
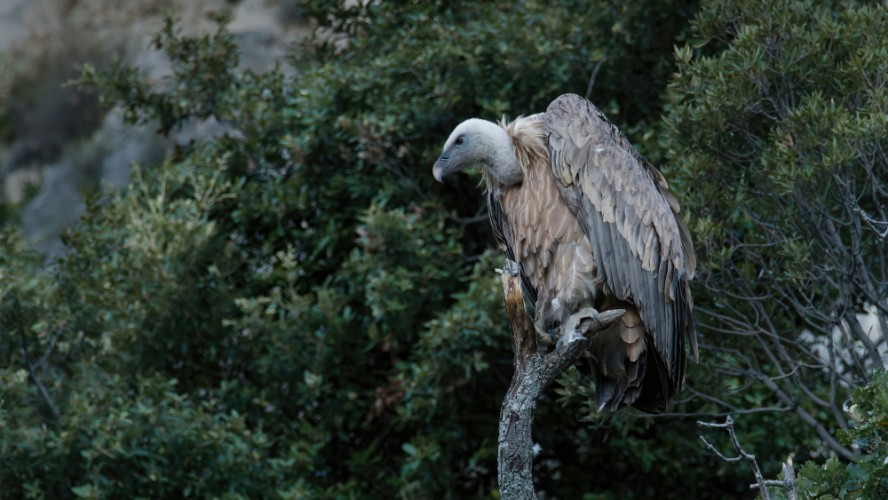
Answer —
(103, 155)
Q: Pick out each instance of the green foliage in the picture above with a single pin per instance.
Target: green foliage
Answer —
(142, 439)
(867, 476)
(295, 309)
(291, 309)
(790, 111)
(204, 69)
(776, 133)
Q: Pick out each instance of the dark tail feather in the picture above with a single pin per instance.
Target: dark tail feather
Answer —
(656, 390)
(606, 390)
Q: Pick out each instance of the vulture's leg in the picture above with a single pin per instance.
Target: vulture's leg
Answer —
(554, 334)
(546, 336)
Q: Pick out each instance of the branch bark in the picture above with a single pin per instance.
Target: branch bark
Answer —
(533, 372)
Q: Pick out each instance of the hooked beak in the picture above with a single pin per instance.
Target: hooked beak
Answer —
(442, 167)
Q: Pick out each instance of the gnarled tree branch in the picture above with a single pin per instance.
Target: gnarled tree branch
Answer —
(533, 372)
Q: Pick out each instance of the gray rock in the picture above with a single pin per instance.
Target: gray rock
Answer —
(58, 205)
(106, 157)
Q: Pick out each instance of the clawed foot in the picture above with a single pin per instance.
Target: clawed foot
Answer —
(567, 331)
(588, 312)
(573, 323)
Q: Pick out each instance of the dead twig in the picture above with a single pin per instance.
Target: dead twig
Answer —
(32, 374)
(788, 482)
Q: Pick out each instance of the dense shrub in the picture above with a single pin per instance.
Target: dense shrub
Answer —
(296, 309)
(778, 142)
(867, 477)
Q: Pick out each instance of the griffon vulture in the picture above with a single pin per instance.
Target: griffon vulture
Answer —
(591, 224)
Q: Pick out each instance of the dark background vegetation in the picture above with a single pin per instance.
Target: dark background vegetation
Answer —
(296, 309)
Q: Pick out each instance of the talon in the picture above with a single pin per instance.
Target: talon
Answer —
(596, 316)
(590, 312)
(575, 319)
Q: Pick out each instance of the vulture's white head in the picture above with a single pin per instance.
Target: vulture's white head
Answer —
(480, 142)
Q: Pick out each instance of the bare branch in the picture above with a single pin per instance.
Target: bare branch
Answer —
(533, 372)
(32, 373)
(594, 75)
(788, 483)
(52, 342)
(806, 417)
(879, 227)
(741, 454)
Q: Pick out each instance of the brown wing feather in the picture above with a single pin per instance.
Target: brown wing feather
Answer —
(641, 247)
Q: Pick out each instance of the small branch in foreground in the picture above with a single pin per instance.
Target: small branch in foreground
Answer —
(788, 483)
(533, 372)
(592, 78)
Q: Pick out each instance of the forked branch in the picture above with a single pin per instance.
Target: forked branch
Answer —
(533, 372)
(788, 482)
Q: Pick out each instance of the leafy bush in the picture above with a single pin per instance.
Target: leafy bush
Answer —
(295, 309)
(867, 476)
(777, 138)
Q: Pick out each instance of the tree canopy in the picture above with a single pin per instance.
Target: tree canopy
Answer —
(296, 309)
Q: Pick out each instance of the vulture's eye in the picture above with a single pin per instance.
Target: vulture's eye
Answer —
(460, 141)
